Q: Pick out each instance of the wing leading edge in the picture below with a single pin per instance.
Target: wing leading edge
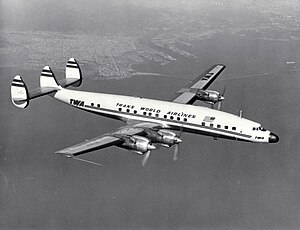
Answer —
(188, 94)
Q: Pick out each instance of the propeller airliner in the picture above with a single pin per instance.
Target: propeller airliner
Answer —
(148, 123)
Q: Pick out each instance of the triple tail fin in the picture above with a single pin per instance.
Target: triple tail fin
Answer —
(48, 84)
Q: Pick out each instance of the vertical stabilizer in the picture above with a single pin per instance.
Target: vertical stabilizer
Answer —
(47, 78)
(19, 93)
(73, 73)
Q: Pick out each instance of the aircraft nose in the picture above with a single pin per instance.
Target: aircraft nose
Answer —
(273, 138)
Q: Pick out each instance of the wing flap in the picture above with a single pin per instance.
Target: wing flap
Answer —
(185, 98)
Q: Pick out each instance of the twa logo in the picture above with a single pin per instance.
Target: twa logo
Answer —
(76, 102)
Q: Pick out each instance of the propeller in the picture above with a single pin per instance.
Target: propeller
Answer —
(176, 149)
(146, 157)
(221, 98)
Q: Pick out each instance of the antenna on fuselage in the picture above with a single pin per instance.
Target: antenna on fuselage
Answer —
(86, 161)
(241, 114)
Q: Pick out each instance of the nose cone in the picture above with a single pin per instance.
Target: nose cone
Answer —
(177, 140)
(273, 138)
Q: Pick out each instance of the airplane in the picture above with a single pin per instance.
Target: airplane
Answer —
(149, 123)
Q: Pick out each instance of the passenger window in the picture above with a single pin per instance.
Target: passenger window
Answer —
(157, 115)
(211, 125)
(218, 126)
(185, 119)
(203, 123)
(98, 105)
(92, 104)
(149, 114)
(145, 113)
(226, 126)
(127, 110)
(172, 117)
(233, 128)
(120, 109)
(178, 118)
(135, 111)
(165, 116)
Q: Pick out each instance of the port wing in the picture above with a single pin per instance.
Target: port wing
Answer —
(188, 94)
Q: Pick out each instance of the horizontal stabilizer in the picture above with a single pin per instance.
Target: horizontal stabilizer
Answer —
(38, 92)
(73, 74)
(19, 93)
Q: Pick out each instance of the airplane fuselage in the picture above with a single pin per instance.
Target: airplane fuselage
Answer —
(174, 116)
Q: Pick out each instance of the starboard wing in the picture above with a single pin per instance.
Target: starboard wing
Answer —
(188, 94)
(106, 140)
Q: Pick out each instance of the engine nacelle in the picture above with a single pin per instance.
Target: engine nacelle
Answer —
(164, 137)
(209, 96)
(138, 144)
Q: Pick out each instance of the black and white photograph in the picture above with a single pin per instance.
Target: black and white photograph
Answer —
(150, 114)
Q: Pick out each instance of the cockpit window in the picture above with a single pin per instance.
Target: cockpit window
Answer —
(262, 129)
(259, 128)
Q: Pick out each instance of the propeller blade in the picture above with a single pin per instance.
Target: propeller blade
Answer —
(221, 98)
(224, 90)
(180, 133)
(146, 157)
(176, 150)
(219, 105)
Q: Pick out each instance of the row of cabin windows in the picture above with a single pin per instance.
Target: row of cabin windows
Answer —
(156, 115)
(98, 105)
(178, 118)
(218, 126)
(172, 118)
